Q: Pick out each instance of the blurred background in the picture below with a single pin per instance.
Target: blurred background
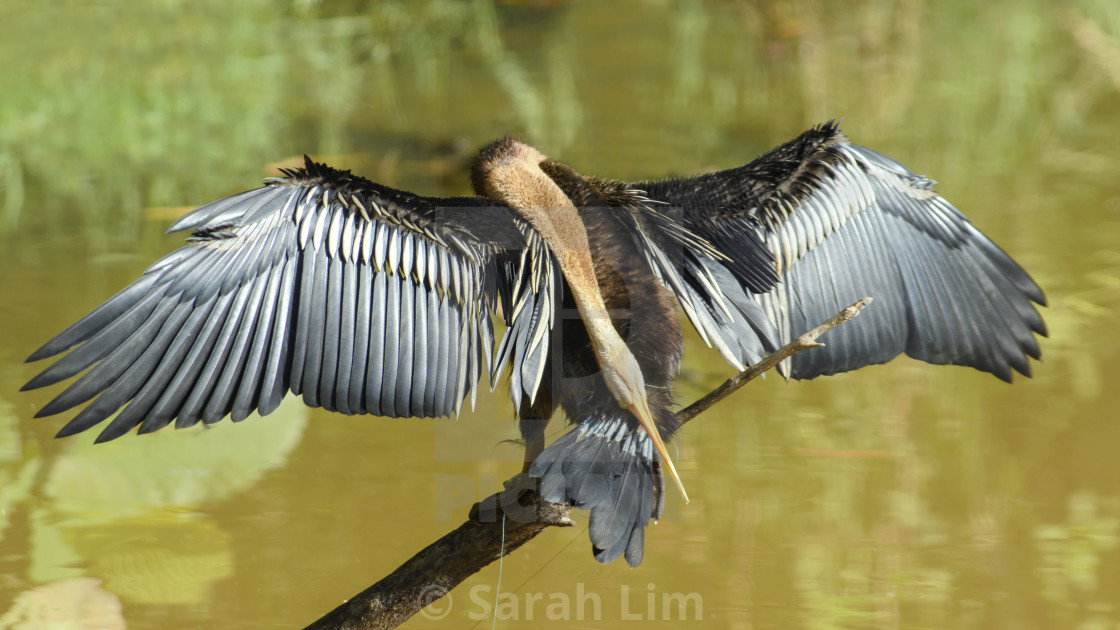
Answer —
(899, 496)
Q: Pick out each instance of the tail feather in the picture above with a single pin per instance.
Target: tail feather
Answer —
(609, 468)
(586, 464)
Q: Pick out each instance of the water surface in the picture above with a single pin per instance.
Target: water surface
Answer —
(901, 496)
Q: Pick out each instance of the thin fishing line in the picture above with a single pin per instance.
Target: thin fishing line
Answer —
(556, 555)
(541, 568)
(501, 563)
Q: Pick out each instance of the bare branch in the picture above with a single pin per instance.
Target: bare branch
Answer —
(804, 342)
(441, 566)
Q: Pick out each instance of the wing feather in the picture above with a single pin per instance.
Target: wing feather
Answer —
(315, 302)
(276, 379)
(248, 391)
(332, 335)
(391, 346)
(347, 334)
(360, 350)
(405, 341)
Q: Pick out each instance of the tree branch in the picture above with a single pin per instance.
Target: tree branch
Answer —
(441, 566)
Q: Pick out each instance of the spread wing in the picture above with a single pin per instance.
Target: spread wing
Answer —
(362, 298)
(839, 222)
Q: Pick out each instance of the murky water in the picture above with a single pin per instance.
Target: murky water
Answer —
(901, 496)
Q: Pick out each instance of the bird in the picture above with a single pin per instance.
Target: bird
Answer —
(369, 300)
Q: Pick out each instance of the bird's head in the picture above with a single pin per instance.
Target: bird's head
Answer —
(509, 170)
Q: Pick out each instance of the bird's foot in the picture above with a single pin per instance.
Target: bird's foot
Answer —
(521, 502)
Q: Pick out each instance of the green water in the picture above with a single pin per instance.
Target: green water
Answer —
(901, 496)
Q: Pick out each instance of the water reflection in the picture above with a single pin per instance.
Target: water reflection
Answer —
(899, 496)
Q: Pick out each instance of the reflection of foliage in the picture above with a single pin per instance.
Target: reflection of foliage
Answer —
(149, 111)
(173, 559)
(16, 471)
(152, 111)
(903, 496)
(1092, 300)
(865, 588)
(141, 105)
(128, 512)
(171, 468)
(74, 603)
(1071, 552)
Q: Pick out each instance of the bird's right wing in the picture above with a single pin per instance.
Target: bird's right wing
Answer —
(363, 298)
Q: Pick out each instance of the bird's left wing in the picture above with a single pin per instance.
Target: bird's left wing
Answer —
(363, 298)
(839, 222)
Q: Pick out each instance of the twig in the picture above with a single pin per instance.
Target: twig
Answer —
(804, 342)
(441, 566)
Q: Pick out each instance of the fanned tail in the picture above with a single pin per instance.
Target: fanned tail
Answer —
(607, 467)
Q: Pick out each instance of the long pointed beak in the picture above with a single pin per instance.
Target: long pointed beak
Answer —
(623, 377)
(640, 408)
